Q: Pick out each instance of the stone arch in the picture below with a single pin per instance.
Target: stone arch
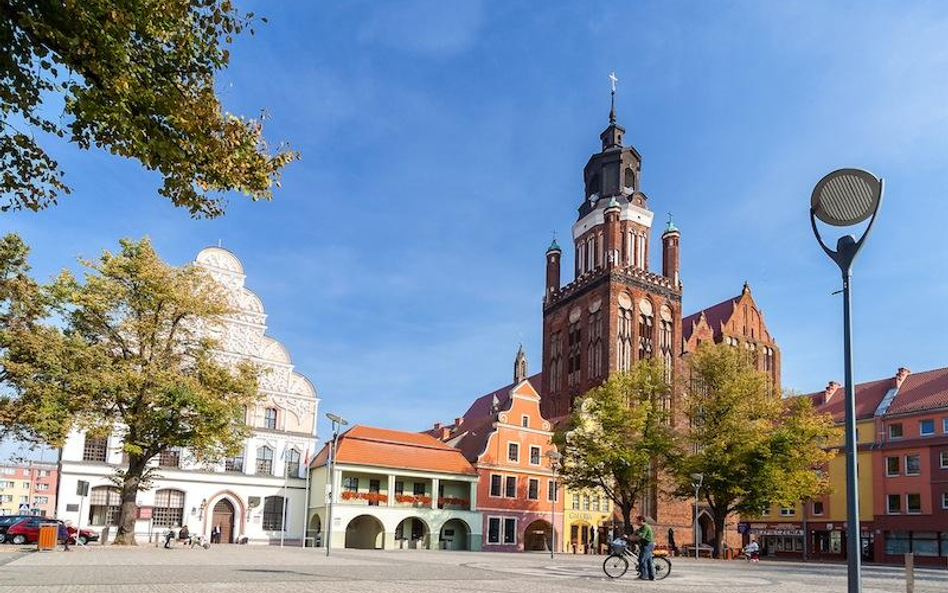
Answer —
(413, 532)
(455, 534)
(705, 527)
(365, 532)
(537, 536)
(240, 524)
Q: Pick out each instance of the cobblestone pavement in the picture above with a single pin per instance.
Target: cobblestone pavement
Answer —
(265, 569)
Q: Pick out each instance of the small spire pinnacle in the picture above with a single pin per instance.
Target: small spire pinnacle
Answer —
(612, 110)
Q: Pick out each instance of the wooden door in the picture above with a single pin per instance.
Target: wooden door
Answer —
(224, 517)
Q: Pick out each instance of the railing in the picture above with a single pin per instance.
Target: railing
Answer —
(370, 498)
(451, 502)
(415, 500)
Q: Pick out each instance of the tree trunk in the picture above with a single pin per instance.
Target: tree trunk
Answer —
(131, 483)
(627, 527)
(720, 518)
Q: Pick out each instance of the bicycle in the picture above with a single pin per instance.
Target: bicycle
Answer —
(616, 563)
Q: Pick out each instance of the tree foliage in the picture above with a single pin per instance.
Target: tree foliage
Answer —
(618, 437)
(135, 78)
(753, 448)
(129, 351)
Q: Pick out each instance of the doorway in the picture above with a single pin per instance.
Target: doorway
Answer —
(223, 516)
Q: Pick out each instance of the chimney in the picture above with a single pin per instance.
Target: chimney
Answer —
(900, 376)
(830, 391)
(445, 433)
(437, 426)
(459, 421)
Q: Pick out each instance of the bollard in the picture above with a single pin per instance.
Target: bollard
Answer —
(909, 572)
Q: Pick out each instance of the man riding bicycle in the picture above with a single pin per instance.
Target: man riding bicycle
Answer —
(646, 538)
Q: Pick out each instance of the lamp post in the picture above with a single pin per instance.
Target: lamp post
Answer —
(337, 422)
(554, 456)
(844, 198)
(697, 480)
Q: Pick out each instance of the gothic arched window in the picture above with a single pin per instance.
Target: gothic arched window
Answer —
(629, 180)
(574, 359)
(646, 323)
(556, 361)
(624, 334)
(594, 355)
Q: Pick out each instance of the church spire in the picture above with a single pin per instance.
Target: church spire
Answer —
(612, 110)
(520, 366)
(612, 136)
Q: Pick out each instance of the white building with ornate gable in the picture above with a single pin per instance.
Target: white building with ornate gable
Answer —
(244, 495)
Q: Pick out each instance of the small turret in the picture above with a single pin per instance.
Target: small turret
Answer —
(520, 366)
(553, 255)
(670, 252)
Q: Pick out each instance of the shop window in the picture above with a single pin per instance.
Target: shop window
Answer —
(926, 427)
(892, 466)
(894, 504)
(913, 466)
(897, 543)
(944, 543)
(925, 543)
(493, 530)
(895, 431)
(913, 503)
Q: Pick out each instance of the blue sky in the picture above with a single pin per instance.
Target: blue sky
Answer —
(443, 142)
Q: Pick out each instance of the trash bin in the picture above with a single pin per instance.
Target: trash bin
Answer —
(48, 533)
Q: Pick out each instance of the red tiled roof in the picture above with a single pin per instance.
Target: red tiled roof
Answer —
(715, 315)
(482, 405)
(868, 397)
(367, 445)
(927, 390)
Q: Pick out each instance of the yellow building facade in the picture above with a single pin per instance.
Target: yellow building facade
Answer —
(587, 517)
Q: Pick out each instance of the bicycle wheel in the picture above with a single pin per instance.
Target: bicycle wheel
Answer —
(663, 567)
(615, 566)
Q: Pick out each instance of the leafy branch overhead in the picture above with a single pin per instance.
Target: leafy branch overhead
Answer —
(137, 79)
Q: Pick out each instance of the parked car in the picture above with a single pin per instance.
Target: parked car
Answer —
(6, 521)
(26, 531)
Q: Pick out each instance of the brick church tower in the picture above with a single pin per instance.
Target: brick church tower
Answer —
(616, 311)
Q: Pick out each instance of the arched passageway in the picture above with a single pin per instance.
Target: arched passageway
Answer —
(365, 532)
(454, 535)
(412, 533)
(537, 536)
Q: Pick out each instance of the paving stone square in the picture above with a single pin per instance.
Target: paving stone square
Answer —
(266, 569)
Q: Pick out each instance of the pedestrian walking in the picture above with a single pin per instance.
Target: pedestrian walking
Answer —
(672, 546)
(216, 534)
(646, 539)
(63, 534)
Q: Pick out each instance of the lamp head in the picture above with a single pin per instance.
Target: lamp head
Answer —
(337, 419)
(846, 197)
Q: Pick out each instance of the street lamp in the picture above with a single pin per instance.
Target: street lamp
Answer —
(337, 422)
(554, 456)
(697, 480)
(844, 198)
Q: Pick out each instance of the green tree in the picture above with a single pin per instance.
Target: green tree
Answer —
(128, 352)
(135, 78)
(753, 448)
(619, 437)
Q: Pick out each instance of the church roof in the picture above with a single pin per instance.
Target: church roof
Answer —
(716, 316)
(382, 447)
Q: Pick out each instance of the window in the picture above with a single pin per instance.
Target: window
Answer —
(556, 361)
(913, 503)
(513, 452)
(894, 504)
(418, 489)
(574, 355)
(105, 504)
(925, 543)
(42, 473)
(624, 338)
(533, 489)
(895, 431)
(944, 425)
(943, 459)
(944, 500)
(42, 486)
(264, 461)
(926, 427)
(575, 501)
(495, 482)
(665, 341)
(400, 488)
(375, 487)
(897, 543)
(913, 466)
(510, 531)
(270, 418)
(234, 464)
(552, 492)
(817, 507)
(534, 455)
(95, 448)
(350, 484)
(525, 421)
(510, 490)
(787, 511)
(892, 466)
(646, 323)
(585, 502)
(40, 500)
(493, 530)
(169, 458)
(594, 349)
(293, 463)
(169, 508)
(273, 510)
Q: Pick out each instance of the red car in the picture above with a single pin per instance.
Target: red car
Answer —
(26, 531)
